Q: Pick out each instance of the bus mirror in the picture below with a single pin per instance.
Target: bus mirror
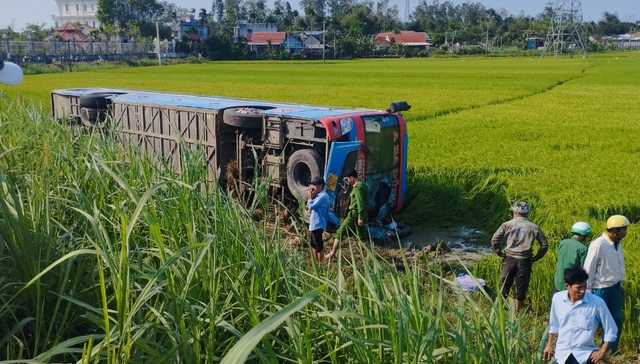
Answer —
(398, 106)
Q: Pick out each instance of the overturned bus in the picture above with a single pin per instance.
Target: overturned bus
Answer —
(288, 144)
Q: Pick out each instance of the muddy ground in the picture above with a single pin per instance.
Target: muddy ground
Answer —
(452, 246)
(455, 246)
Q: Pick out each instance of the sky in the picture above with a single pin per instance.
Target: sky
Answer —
(19, 13)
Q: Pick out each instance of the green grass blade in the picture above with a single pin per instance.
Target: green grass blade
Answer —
(241, 350)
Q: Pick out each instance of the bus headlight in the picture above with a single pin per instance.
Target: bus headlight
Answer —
(346, 125)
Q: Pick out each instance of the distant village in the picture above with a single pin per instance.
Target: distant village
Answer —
(281, 33)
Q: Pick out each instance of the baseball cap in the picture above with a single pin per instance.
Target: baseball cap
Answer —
(317, 181)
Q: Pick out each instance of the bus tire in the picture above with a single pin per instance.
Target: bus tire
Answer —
(243, 117)
(96, 100)
(91, 116)
(303, 165)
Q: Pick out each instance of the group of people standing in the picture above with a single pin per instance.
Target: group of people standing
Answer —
(587, 283)
(318, 205)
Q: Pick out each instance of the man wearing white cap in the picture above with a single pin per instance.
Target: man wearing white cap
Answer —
(513, 241)
(571, 252)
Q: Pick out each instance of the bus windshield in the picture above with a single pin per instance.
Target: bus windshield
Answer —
(381, 139)
(382, 154)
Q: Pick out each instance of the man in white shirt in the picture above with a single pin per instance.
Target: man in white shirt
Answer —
(573, 320)
(605, 266)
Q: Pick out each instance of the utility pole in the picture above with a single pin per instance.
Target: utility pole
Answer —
(158, 43)
(69, 56)
(486, 45)
(323, 43)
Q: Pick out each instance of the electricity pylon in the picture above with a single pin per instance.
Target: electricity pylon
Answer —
(565, 32)
(406, 12)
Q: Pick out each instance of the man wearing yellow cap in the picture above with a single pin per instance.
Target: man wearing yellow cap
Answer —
(605, 265)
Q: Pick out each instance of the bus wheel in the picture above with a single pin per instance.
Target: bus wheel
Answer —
(303, 165)
(243, 117)
(91, 117)
(96, 100)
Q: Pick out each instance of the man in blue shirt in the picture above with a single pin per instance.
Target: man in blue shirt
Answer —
(318, 205)
(574, 318)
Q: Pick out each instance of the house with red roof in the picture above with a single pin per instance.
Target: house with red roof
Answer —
(258, 41)
(408, 38)
(66, 32)
(299, 43)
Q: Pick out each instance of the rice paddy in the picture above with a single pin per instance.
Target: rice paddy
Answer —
(107, 260)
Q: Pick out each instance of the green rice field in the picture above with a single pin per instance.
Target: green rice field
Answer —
(113, 260)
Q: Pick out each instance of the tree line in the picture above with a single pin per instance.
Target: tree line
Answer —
(352, 23)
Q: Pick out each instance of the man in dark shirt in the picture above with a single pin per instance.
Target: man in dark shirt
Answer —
(357, 215)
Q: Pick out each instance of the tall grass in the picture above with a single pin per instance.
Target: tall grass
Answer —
(446, 198)
(116, 262)
(155, 267)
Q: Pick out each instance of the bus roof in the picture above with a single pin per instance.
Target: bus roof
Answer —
(217, 102)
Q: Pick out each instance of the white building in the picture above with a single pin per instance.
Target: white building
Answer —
(81, 11)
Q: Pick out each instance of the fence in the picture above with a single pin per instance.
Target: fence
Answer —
(76, 51)
(626, 41)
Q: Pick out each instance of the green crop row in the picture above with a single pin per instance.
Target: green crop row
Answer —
(158, 263)
(113, 259)
(431, 86)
